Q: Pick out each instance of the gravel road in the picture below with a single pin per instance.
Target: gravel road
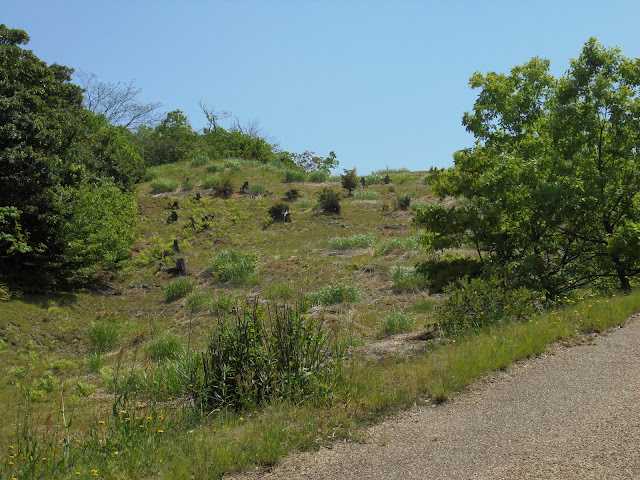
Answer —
(573, 413)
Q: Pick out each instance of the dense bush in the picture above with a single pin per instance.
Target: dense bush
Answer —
(482, 302)
(166, 348)
(262, 356)
(291, 175)
(329, 201)
(292, 194)
(442, 272)
(279, 211)
(407, 279)
(163, 185)
(178, 288)
(349, 180)
(396, 322)
(319, 176)
(103, 335)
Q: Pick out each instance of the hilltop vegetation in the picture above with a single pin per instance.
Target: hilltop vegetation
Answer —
(188, 303)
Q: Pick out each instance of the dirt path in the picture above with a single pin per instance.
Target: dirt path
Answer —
(570, 414)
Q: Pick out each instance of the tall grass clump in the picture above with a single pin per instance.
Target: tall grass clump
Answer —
(407, 279)
(166, 348)
(103, 335)
(336, 293)
(163, 185)
(397, 243)
(396, 322)
(234, 267)
(352, 242)
(178, 288)
(319, 176)
(291, 175)
(199, 160)
(264, 355)
(366, 194)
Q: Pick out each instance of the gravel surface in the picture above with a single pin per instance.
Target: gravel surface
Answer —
(573, 413)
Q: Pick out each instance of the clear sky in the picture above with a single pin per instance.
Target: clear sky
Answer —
(381, 83)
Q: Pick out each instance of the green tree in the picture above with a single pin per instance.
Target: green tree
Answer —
(350, 180)
(549, 193)
(50, 147)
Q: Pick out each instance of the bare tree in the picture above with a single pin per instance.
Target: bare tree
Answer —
(213, 117)
(251, 128)
(117, 101)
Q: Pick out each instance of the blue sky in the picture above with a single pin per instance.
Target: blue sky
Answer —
(381, 83)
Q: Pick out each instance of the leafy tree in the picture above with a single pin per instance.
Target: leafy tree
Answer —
(549, 193)
(50, 147)
(309, 161)
(350, 180)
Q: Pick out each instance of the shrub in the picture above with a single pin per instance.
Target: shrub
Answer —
(178, 288)
(222, 303)
(442, 272)
(233, 266)
(292, 194)
(335, 293)
(373, 178)
(407, 279)
(329, 201)
(294, 176)
(165, 348)
(402, 202)
(482, 302)
(94, 362)
(354, 241)
(213, 168)
(259, 357)
(349, 180)
(318, 176)
(163, 185)
(151, 174)
(103, 335)
(396, 322)
(279, 212)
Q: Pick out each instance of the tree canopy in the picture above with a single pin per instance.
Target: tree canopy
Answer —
(549, 192)
(54, 155)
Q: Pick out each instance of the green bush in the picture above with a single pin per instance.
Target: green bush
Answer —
(178, 288)
(103, 335)
(402, 202)
(233, 266)
(94, 362)
(292, 194)
(354, 241)
(329, 201)
(482, 302)
(278, 210)
(407, 279)
(319, 176)
(151, 173)
(211, 181)
(442, 272)
(278, 291)
(335, 293)
(163, 185)
(197, 301)
(215, 168)
(396, 322)
(165, 348)
(258, 357)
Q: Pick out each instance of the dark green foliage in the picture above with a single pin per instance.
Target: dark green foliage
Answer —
(329, 201)
(402, 202)
(263, 356)
(309, 162)
(292, 194)
(291, 175)
(57, 157)
(279, 211)
(442, 272)
(319, 176)
(550, 190)
(482, 302)
(350, 180)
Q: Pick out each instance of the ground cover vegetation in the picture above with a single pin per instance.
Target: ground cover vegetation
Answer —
(174, 355)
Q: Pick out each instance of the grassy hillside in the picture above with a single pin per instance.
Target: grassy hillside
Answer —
(93, 380)
(59, 345)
